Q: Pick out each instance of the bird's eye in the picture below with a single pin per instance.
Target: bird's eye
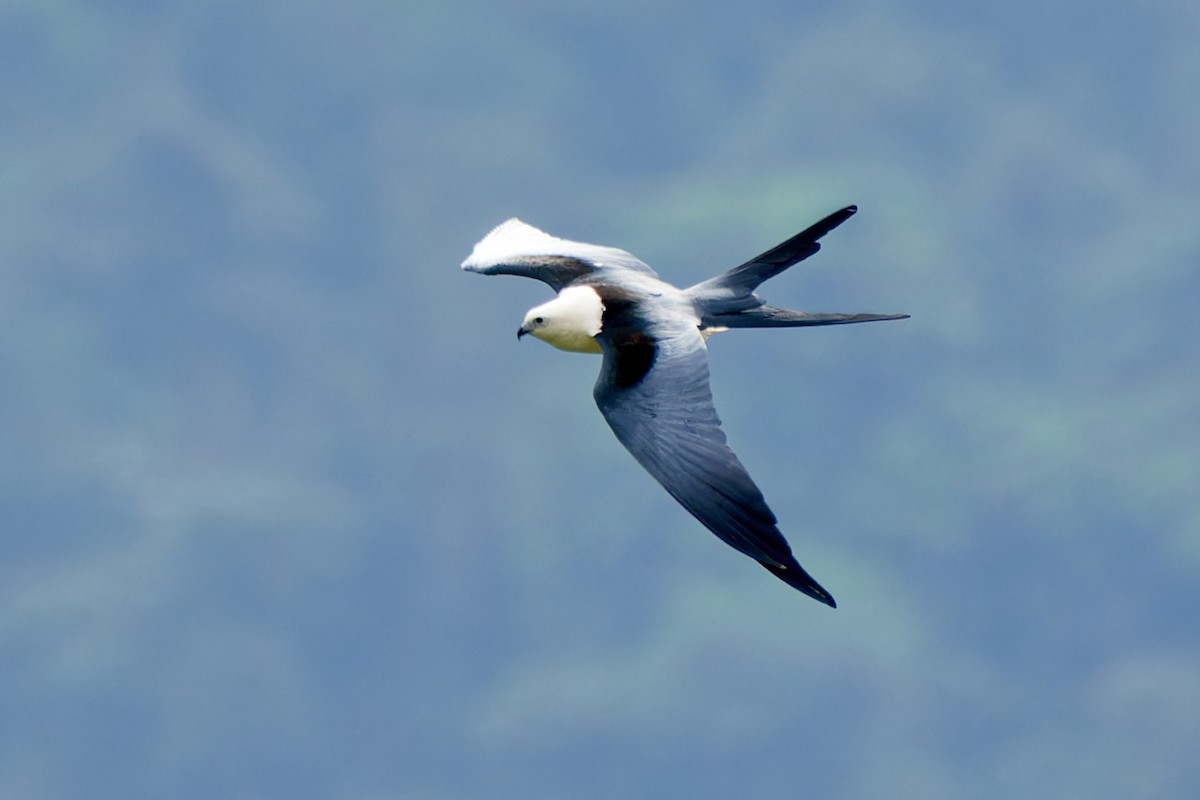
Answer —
(538, 321)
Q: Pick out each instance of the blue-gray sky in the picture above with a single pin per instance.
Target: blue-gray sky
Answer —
(285, 510)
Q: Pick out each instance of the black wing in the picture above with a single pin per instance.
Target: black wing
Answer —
(654, 393)
(744, 279)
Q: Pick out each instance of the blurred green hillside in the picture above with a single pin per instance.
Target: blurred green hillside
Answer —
(285, 511)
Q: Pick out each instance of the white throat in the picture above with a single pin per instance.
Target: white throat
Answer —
(570, 321)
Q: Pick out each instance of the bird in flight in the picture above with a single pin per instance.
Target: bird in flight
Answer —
(653, 387)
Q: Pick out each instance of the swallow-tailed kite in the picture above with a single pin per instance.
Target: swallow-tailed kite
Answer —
(653, 387)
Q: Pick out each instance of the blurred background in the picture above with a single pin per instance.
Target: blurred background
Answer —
(286, 511)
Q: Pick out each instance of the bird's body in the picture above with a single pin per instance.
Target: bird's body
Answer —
(653, 387)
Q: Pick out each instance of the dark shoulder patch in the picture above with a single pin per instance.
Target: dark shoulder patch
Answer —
(633, 356)
(623, 335)
(622, 312)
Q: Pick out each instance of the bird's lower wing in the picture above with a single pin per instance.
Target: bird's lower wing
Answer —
(655, 395)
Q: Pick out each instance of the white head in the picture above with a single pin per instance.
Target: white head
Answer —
(569, 321)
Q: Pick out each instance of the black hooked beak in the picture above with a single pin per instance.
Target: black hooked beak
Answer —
(521, 331)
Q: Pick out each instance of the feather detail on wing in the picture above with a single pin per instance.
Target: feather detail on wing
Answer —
(517, 248)
(655, 395)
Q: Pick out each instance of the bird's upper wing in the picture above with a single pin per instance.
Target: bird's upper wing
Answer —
(654, 393)
(517, 248)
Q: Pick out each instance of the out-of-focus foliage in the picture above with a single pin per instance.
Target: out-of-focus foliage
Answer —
(285, 511)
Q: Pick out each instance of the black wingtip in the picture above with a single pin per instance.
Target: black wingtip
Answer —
(822, 596)
(819, 229)
(795, 576)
